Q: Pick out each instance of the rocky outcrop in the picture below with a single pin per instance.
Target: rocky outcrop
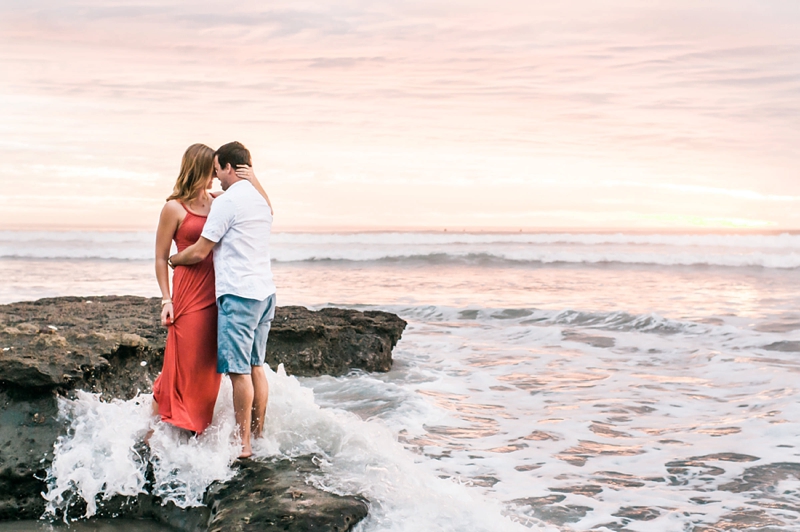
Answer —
(263, 496)
(114, 346)
(276, 496)
(73, 342)
(70, 342)
(28, 429)
(332, 341)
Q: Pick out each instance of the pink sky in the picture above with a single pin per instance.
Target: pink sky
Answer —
(591, 114)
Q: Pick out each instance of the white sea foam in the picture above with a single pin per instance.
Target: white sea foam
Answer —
(97, 460)
(100, 457)
(184, 466)
(530, 405)
(365, 458)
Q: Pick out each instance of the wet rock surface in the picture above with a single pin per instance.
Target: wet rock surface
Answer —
(263, 496)
(28, 429)
(114, 346)
(277, 496)
(332, 341)
(72, 342)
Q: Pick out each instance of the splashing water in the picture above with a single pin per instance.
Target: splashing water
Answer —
(99, 456)
(97, 460)
(365, 458)
(183, 467)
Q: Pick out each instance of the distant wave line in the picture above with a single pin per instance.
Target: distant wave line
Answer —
(144, 238)
(763, 260)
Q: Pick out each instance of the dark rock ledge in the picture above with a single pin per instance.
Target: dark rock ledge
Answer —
(53, 346)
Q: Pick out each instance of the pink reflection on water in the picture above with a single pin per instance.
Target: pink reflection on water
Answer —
(686, 293)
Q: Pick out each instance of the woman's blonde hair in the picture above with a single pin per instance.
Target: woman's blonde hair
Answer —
(196, 167)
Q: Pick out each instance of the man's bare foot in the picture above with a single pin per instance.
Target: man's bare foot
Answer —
(247, 452)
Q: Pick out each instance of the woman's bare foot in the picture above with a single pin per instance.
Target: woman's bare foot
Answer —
(154, 412)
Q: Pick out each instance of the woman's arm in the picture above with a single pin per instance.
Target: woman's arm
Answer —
(246, 172)
(167, 225)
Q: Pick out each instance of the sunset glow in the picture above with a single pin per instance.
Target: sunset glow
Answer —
(493, 115)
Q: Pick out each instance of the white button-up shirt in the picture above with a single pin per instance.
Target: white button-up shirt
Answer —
(240, 222)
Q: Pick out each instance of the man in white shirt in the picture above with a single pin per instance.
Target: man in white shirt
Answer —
(238, 229)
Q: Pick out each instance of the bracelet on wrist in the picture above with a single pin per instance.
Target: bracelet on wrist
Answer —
(165, 302)
(169, 263)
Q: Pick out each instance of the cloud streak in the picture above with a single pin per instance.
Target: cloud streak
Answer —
(507, 92)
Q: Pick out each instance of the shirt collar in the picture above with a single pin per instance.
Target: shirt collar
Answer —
(239, 182)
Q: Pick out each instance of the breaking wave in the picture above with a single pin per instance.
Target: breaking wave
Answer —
(98, 459)
(611, 321)
(764, 251)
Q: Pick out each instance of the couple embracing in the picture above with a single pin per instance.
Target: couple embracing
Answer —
(223, 299)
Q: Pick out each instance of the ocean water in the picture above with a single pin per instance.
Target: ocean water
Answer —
(545, 381)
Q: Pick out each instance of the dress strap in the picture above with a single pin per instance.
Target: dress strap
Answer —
(185, 207)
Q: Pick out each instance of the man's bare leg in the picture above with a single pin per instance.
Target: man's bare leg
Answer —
(260, 398)
(243, 407)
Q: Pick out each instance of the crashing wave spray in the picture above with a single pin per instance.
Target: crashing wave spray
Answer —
(97, 459)
(100, 457)
(364, 458)
(184, 467)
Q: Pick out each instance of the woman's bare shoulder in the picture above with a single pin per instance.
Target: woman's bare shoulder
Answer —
(172, 205)
(172, 210)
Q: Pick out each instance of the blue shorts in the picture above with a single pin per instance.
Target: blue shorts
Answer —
(243, 328)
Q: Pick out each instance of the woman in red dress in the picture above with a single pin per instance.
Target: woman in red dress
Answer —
(186, 390)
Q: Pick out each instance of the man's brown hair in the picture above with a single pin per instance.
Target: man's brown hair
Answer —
(233, 153)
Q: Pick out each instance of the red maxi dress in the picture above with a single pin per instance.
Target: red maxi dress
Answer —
(188, 385)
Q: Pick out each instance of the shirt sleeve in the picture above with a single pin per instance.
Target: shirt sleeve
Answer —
(219, 220)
